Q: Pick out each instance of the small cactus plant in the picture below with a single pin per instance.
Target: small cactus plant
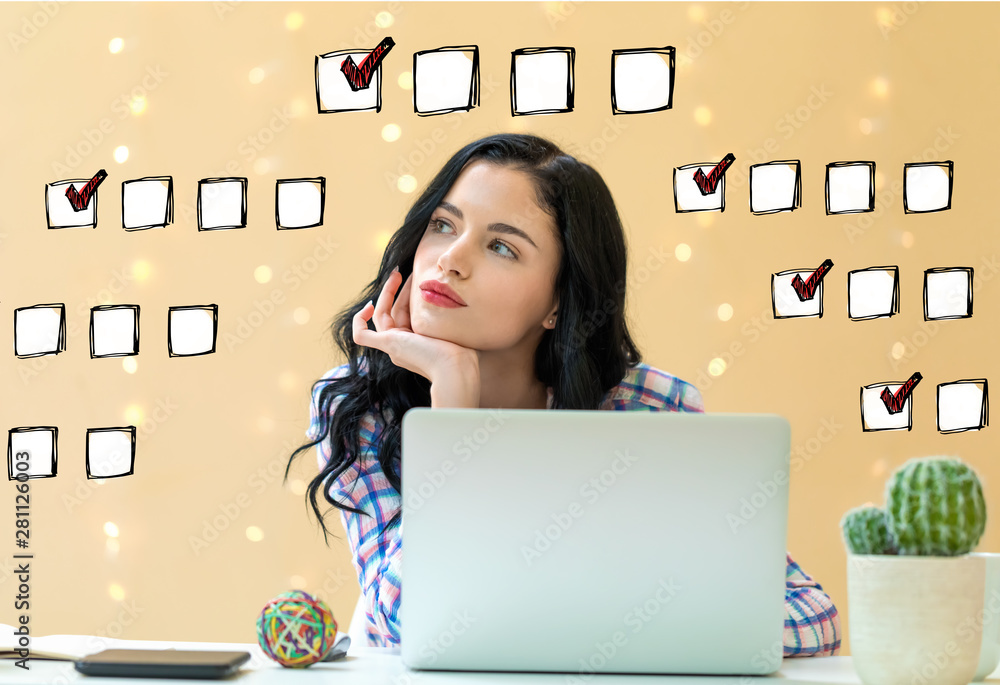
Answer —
(934, 507)
(866, 530)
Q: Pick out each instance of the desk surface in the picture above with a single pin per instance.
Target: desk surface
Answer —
(368, 665)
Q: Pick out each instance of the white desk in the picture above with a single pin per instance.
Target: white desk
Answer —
(376, 666)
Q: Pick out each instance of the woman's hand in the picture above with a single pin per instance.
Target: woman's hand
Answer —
(432, 358)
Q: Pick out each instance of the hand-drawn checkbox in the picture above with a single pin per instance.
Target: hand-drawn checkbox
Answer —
(222, 203)
(873, 293)
(688, 196)
(775, 187)
(948, 293)
(333, 91)
(446, 80)
(299, 202)
(927, 186)
(32, 452)
(875, 415)
(114, 330)
(39, 330)
(850, 187)
(147, 202)
(962, 405)
(642, 80)
(785, 301)
(541, 80)
(59, 212)
(110, 452)
(192, 330)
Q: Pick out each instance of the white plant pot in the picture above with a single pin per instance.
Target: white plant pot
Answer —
(910, 617)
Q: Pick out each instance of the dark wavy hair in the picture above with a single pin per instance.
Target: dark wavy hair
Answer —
(582, 358)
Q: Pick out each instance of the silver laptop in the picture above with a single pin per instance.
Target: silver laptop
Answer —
(587, 542)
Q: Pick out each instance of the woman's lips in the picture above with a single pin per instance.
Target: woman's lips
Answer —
(438, 299)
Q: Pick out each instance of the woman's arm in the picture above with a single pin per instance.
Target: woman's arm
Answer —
(812, 623)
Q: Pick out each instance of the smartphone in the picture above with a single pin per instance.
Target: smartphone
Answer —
(162, 663)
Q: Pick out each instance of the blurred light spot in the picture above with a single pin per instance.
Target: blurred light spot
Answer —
(288, 381)
(705, 219)
(141, 270)
(907, 239)
(121, 154)
(898, 350)
(297, 582)
(682, 252)
(117, 592)
(256, 75)
(262, 274)
(406, 183)
(405, 80)
(865, 125)
(115, 45)
(265, 424)
(703, 115)
(99, 481)
(391, 133)
(262, 165)
(130, 365)
(382, 240)
(134, 414)
(384, 19)
(880, 87)
(110, 529)
(111, 547)
(299, 107)
(878, 468)
(294, 21)
(254, 534)
(138, 105)
(297, 486)
(717, 366)
(696, 13)
(301, 315)
(725, 311)
(884, 16)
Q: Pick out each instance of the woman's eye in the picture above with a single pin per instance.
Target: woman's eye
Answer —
(436, 226)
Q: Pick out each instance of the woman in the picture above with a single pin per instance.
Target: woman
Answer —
(505, 287)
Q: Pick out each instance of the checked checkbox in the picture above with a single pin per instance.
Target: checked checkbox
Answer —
(875, 416)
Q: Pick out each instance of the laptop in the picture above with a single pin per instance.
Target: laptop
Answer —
(589, 542)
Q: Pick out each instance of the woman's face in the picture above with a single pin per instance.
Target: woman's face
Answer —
(492, 244)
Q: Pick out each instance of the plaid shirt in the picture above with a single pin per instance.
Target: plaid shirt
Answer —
(812, 624)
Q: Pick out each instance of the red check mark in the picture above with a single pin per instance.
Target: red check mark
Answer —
(360, 76)
(81, 199)
(894, 402)
(807, 289)
(708, 184)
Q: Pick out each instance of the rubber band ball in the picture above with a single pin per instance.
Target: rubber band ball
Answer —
(296, 629)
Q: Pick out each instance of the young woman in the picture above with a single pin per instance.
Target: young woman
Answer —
(504, 287)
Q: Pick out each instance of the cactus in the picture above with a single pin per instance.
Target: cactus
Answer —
(935, 507)
(866, 531)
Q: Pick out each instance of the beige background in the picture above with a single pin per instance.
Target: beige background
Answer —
(919, 75)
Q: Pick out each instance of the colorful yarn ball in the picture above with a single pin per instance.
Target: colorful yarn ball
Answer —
(296, 629)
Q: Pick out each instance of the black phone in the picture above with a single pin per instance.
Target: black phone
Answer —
(162, 663)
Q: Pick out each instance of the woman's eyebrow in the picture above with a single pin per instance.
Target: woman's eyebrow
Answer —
(496, 227)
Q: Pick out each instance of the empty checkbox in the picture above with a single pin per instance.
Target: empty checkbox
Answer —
(927, 186)
(39, 330)
(875, 416)
(192, 330)
(110, 452)
(222, 203)
(446, 80)
(642, 80)
(688, 196)
(299, 202)
(59, 211)
(948, 293)
(147, 202)
(850, 187)
(775, 187)
(31, 452)
(114, 330)
(334, 92)
(873, 293)
(962, 405)
(541, 80)
(786, 302)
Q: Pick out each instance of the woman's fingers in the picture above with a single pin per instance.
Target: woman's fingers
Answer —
(382, 318)
(360, 326)
(401, 309)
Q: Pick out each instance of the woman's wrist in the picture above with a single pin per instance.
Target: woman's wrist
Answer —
(456, 385)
